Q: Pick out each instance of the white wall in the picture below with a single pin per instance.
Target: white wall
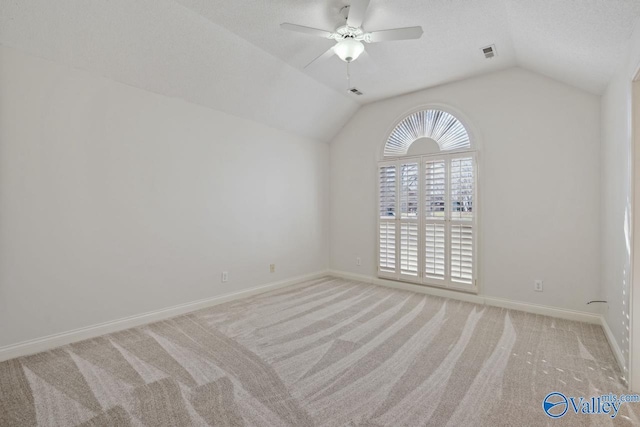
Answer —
(616, 157)
(116, 201)
(540, 190)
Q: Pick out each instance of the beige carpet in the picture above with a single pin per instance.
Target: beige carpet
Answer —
(327, 353)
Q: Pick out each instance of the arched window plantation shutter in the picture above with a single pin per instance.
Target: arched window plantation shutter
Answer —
(442, 127)
(427, 205)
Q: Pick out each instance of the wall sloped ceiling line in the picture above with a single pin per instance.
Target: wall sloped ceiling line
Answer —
(166, 48)
(233, 56)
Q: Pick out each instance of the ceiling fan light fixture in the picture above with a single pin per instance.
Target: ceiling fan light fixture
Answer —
(348, 49)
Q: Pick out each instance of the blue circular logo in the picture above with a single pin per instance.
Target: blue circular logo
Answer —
(555, 404)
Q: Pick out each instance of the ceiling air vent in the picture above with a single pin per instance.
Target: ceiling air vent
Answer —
(355, 91)
(489, 51)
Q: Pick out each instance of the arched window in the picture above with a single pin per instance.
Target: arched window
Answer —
(427, 203)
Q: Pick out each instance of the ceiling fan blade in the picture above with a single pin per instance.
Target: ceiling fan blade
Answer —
(357, 11)
(328, 54)
(395, 34)
(306, 30)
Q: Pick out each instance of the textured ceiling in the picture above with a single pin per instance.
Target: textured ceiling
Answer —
(232, 55)
(579, 42)
(454, 32)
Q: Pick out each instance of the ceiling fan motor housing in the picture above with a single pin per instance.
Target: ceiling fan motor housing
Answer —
(346, 31)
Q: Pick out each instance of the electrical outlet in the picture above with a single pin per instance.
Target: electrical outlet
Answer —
(225, 276)
(272, 268)
(537, 285)
(358, 261)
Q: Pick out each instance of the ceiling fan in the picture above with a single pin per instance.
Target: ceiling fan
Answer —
(349, 37)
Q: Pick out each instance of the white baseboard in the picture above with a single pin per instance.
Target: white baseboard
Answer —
(545, 310)
(46, 343)
(51, 341)
(613, 343)
(561, 313)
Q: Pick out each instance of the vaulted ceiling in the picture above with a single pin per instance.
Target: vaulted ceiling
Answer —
(574, 41)
(232, 55)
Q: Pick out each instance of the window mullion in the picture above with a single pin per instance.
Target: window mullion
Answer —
(397, 219)
(447, 220)
(421, 221)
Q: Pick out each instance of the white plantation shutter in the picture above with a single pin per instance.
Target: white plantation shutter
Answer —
(462, 253)
(387, 243)
(387, 246)
(435, 197)
(387, 191)
(409, 197)
(462, 179)
(462, 188)
(427, 220)
(409, 220)
(435, 194)
(409, 249)
(446, 130)
(435, 251)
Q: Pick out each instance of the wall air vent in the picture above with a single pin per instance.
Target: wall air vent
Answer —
(489, 51)
(355, 91)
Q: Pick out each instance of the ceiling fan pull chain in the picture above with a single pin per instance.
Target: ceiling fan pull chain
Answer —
(348, 78)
